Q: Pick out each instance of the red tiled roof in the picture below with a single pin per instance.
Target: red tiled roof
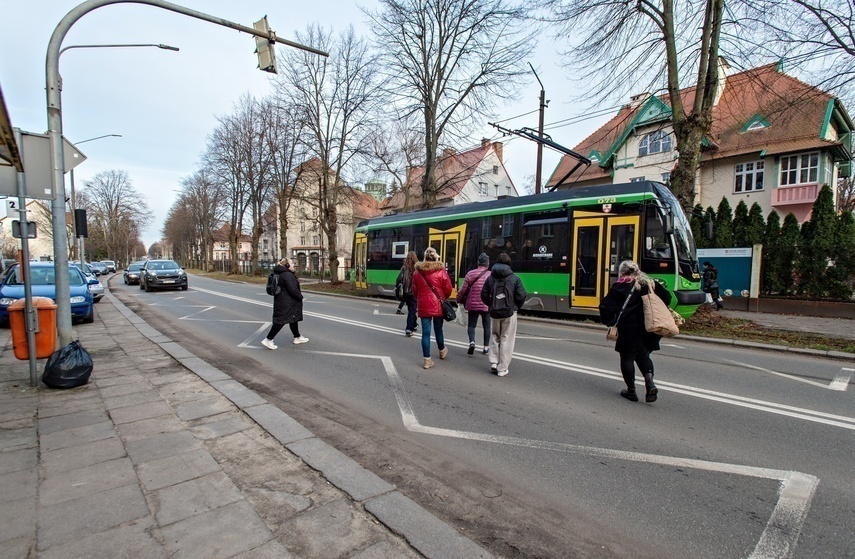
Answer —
(452, 174)
(793, 109)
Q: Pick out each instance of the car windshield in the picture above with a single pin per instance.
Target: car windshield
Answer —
(45, 276)
(168, 265)
(135, 267)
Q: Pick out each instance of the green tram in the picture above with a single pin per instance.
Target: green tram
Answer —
(566, 246)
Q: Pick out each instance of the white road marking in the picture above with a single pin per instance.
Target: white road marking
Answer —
(722, 397)
(778, 540)
(195, 313)
(675, 345)
(246, 342)
(841, 381)
(834, 385)
(376, 311)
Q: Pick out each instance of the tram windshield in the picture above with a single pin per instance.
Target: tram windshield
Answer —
(682, 230)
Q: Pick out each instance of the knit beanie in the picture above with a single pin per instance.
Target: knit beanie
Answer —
(483, 259)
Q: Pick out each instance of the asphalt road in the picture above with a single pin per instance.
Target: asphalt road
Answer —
(746, 454)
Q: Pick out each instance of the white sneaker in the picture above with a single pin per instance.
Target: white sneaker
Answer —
(268, 344)
(502, 373)
(301, 340)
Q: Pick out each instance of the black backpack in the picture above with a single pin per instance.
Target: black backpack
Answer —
(273, 287)
(502, 299)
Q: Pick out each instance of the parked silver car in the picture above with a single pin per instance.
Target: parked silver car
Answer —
(96, 289)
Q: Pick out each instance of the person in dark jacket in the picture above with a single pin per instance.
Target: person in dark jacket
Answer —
(287, 305)
(431, 286)
(405, 278)
(503, 328)
(634, 343)
(710, 277)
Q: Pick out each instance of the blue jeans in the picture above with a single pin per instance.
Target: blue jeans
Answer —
(426, 326)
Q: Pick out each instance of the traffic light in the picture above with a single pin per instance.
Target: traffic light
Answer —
(80, 223)
(264, 48)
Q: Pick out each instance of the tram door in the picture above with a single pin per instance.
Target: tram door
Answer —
(586, 281)
(449, 245)
(360, 256)
(622, 244)
(600, 245)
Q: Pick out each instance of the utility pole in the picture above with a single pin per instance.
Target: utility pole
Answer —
(538, 184)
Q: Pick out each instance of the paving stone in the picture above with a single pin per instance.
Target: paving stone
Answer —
(205, 370)
(160, 378)
(120, 379)
(203, 408)
(189, 390)
(17, 460)
(122, 389)
(239, 394)
(71, 520)
(150, 427)
(193, 497)
(50, 425)
(78, 436)
(385, 549)
(334, 529)
(17, 439)
(72, 407)
(278, 424)
(162, 446)
(230, 424)
(270, 550)
(95, 478)
(18, 519)
(219, 533)
(18, 548)
(131, 541)
(137, 412)
(176, 469)
(18, 485)
(132, 399)
(61, 460)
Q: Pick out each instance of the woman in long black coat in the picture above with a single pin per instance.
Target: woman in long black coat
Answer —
(634, 343)
(287, 304)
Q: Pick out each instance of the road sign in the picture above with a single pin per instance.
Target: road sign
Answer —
(35, 155)
(12, 209)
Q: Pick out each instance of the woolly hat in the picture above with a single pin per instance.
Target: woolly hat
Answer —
(483, 259)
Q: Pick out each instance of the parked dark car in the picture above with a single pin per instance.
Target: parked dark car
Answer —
(99, 268)
(132, 273)
(162, 274)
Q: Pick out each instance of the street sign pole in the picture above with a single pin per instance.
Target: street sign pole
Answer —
(30, 317)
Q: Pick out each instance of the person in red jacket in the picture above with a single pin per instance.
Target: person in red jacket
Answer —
(431, 286)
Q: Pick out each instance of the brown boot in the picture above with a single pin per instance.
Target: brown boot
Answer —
(428, 363)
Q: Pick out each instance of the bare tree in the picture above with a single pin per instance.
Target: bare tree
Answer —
(449, 61)
(115, 209)
(846, 195)
(203, 197)
(396, 149)
(179, 231)
(336, 99)
(623, 44)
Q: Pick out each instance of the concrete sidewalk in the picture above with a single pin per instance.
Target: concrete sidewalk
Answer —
(164, 455)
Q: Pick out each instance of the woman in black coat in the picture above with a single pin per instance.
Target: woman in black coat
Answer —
(287, 304)
(634, 343)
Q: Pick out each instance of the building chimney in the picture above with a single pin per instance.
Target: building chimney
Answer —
(497, 147)
(721, 76)
(638, 99)
(485, 142)
(448, 153)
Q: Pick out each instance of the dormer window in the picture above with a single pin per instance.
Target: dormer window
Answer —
(655, 142)
(757, 122)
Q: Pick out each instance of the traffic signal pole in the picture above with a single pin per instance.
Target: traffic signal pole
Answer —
(54, 114)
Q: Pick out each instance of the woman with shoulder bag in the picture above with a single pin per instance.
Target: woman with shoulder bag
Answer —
(431, 286)
(469, 297)
(287, 305)
(405, 278)
(622, 307)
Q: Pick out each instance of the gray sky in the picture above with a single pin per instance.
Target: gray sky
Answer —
(164, 103)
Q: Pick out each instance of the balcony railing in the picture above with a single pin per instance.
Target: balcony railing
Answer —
(789, 195)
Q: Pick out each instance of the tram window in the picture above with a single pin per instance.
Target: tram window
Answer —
(545, 242)
(379, 246)
(656, 244)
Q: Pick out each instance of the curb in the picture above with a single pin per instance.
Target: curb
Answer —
(426, 533)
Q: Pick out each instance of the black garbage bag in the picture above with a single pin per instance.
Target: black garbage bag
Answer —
(68, 367)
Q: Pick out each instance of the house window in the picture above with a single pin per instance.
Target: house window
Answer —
(666, 177)
(655, 142)
(482, 188)
(302, 240)
(800, 169)
(749, 176)
(495, 169)
(302, 227)
(636, 179)
(314, 239)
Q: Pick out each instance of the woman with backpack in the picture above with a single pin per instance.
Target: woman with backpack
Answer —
(622, 307)
(469, 297)
(431, 286)
(287, 304)
(405, 280)
(504, 294)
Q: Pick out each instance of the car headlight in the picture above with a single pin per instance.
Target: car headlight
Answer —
(78, 299)
(6, 301)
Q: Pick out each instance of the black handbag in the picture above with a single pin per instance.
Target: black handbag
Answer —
(448, 312)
